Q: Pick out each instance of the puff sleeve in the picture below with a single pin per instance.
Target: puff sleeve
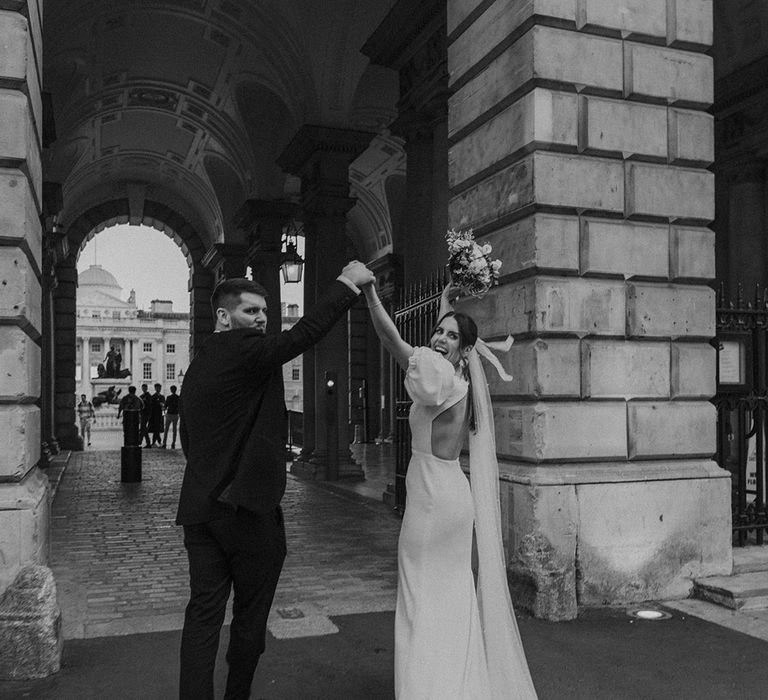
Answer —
(429, 378)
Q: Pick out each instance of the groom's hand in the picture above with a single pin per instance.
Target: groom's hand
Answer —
(357, 273)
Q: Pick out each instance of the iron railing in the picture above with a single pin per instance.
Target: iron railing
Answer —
(742, 409)
(415, 316)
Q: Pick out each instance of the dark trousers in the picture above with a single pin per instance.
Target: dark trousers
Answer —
(144, 435)
(243, 551)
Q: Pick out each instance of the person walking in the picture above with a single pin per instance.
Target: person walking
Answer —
(130, 407)
(233, 435)
(156, 404)
(171, 417)
(146, 412)
(86, 414)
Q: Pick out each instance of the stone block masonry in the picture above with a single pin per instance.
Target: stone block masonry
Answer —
(30, 634)
(579, 147)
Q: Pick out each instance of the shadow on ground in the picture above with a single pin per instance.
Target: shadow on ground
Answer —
(603, 654)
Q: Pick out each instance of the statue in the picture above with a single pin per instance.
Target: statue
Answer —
(109, 360)
(100, 371)
(108, 396)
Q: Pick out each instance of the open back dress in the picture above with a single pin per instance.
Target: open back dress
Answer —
(439, 649)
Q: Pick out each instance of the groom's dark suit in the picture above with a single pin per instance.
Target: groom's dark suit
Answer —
(233, 434)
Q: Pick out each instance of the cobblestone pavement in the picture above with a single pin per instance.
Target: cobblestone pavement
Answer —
(121, 568)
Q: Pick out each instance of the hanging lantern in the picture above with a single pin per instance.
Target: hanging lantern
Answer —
(291, 263)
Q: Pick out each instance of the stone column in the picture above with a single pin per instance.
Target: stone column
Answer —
(412, 41)
(225, 260)
(24, 490)
(263, 221)
(65, 316)
(201, 324)
(580, 144)
(321, 157)
(85, 364)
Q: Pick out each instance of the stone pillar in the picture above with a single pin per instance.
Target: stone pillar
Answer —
(321, 157)
(24, 489)
(580, 144)
(65, 316)
(225, 260)
(201, 324)
(85, 365)
(263, 221)
(412, 41)
(746, 229)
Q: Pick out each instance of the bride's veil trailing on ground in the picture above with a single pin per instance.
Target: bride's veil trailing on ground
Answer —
(508, 669)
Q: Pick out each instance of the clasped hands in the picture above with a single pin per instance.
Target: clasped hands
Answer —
(357, 273)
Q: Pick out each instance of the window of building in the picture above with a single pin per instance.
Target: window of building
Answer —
(170, 348)
(95, 347)
(147, 347)
(78, 372)
(115, 314)
(170, 370)
(96, 314)
(146, 370)
(295, 374)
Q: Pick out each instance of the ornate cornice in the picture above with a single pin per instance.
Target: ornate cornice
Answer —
(403, 31)
(220, 252)
(313, 140)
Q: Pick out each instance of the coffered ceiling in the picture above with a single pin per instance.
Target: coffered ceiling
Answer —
(193, 100)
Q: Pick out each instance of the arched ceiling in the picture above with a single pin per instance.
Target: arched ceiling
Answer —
(193, 100)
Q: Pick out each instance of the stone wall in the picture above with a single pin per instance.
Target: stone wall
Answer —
(579, 148)
(24, 491)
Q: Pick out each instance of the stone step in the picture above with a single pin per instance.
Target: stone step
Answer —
(748, 591)
(749, 559)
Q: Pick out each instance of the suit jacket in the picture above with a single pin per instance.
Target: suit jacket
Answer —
(234, 426)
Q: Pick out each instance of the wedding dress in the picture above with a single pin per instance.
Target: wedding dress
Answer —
(447, 647)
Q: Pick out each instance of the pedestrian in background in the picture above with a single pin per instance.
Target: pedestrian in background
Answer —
(130, 407)
(86, 414)
(157, 404)
(146, 412)
(171, 417)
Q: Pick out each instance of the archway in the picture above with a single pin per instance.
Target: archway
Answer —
(62, 388)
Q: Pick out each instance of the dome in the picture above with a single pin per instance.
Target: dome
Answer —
(97, 276)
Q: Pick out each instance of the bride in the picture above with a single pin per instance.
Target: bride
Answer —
(451, 643)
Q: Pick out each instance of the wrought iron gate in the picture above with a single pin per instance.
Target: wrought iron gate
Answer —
(742, 410)
(415, 316)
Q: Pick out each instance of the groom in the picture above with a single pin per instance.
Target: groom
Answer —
(233, 435)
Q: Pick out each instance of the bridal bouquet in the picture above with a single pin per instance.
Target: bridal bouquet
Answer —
(470, 264)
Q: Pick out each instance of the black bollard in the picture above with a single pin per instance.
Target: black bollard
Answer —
(130, 453)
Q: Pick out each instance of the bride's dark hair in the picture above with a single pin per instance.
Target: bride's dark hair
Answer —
(467, 336)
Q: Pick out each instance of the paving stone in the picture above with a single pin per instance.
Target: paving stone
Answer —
(120, 565)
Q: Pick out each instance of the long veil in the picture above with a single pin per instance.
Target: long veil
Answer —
(507, 666)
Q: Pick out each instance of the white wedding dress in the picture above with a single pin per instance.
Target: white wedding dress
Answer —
(440, 650)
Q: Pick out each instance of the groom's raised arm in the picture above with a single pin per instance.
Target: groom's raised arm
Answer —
(319, 319)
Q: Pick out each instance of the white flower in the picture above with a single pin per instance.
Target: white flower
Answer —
(486, 249)
(496, 265)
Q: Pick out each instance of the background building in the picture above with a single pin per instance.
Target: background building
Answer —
(154, 343)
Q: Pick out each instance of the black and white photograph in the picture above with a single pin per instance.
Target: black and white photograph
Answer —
(383, 349)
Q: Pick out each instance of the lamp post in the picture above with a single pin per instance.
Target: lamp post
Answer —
(291, 263)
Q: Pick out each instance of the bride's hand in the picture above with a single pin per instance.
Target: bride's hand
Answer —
(451, 292)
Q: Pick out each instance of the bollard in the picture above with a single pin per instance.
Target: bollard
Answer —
(130, 453)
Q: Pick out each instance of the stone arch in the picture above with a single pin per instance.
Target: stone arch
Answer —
(81, 230)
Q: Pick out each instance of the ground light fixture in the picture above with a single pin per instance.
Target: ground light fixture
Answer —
(648, 613)
(291, 263)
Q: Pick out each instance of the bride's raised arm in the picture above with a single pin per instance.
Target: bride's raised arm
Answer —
(385, 328)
